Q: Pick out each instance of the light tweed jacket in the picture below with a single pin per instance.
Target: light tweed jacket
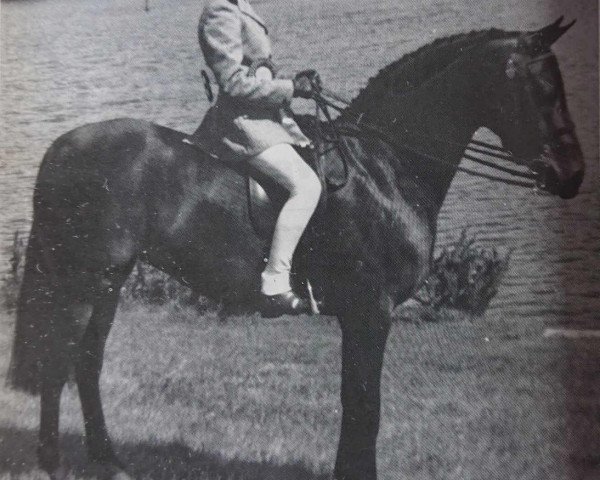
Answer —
(251, 114)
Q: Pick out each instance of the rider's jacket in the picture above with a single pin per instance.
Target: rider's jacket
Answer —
(252, 113)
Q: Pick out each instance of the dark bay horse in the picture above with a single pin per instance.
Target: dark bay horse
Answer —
(114, 192)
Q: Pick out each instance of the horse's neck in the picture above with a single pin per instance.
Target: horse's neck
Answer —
(438, 120)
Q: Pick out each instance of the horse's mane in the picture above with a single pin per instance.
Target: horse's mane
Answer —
(416, 67)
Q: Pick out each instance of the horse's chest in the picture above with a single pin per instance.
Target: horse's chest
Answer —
(384, 239)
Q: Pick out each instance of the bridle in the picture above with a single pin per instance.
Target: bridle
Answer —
(326, 99)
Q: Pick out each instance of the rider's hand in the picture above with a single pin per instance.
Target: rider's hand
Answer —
(306, 83)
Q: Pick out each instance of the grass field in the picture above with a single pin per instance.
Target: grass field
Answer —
(191, 397)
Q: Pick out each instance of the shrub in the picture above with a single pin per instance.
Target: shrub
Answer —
(463, 279)
(9, 288)
(149, 285)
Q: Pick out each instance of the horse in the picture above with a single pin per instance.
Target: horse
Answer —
(111, 193)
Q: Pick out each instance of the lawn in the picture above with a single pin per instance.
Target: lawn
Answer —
(196, 397)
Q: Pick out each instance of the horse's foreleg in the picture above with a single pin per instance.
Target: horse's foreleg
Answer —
(363, 344)
(87, 373)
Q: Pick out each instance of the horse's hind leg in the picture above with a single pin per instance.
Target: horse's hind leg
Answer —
(63, 320)
(87, 373)
(88, 367)
(81, 328)
(54, 378)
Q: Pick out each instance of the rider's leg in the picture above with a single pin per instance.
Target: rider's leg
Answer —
(282, 164)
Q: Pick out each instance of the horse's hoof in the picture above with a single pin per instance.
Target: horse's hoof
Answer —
(107, 471)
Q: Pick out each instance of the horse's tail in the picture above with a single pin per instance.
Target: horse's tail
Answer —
(31, 337)
(67, 268)
(40, 338)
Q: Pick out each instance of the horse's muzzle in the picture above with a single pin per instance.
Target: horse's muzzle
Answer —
(561, 170)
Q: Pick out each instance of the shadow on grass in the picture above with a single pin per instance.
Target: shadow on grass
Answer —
(146, 461)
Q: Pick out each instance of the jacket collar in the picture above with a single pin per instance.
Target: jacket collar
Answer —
(247, 9)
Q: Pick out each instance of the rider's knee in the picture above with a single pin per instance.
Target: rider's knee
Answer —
(312, 186)
(308, 189)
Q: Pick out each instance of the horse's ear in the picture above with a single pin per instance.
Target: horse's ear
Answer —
(548, 29)
(564, 28)
(551, 33)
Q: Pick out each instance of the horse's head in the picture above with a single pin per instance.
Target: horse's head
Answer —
(528, 108)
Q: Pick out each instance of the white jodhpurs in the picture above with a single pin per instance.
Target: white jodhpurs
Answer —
(282, 164)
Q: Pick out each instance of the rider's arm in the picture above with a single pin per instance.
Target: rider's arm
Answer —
(220, 34)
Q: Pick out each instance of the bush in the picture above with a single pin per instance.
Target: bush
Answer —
(9, 289)
(149, 285)
(463, 279)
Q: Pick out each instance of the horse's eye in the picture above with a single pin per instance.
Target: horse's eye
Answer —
(547, 87)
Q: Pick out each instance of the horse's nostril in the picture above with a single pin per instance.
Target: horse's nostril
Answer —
(570, 188)
(578, 177)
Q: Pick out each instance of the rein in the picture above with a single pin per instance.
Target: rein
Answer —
(475, 146)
